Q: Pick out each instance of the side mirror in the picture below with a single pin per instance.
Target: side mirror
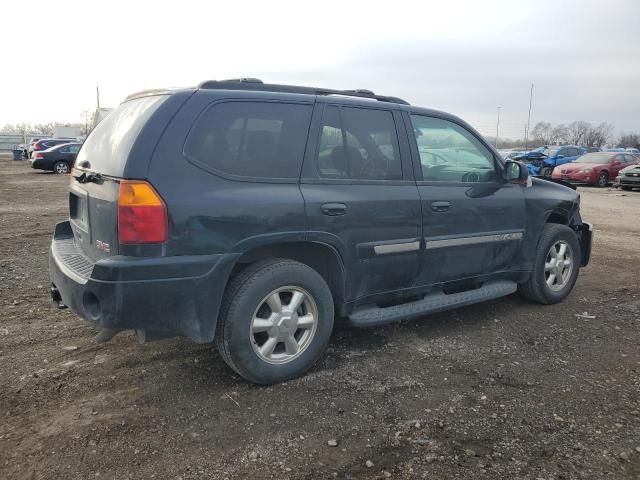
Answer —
(515, 172)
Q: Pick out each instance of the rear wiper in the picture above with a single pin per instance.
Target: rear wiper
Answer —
(86, 177)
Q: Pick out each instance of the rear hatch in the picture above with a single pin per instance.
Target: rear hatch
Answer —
(99, 167)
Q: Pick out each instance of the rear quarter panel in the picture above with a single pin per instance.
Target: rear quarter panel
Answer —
(209, 214)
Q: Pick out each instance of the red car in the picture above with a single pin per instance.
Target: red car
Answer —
(597, 168)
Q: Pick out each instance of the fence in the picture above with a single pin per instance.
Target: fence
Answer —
(8, 141)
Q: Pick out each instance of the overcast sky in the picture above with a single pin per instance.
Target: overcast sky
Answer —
(465, 57)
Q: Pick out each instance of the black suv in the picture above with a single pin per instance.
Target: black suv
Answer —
(253, 214)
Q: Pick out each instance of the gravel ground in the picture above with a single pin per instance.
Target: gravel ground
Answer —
(505, 389)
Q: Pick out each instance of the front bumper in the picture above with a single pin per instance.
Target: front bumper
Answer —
(162, 296)
(628, 181)
(573, 177)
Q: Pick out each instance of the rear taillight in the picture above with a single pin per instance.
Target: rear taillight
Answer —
(142, 214)
(39, 156)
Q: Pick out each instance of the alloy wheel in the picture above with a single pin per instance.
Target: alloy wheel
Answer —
(283, 325)
(558, 265)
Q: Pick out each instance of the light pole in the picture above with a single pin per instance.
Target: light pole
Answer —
(526, 131)
(498, 128)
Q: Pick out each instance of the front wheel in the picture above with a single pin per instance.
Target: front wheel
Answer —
(603, 180)
(546, 172)
(275, 321)
(61, 168)
(556, 266)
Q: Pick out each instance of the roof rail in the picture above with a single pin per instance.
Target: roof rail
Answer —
(256, 84)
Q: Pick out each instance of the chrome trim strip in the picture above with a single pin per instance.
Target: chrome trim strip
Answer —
(456, 242)
(397, 247)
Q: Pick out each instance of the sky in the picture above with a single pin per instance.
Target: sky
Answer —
(464, 57)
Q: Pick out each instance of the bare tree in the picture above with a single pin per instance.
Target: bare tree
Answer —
(577, 131)
(542, 132)
(629, 140)
(559, 135)
(599, 135)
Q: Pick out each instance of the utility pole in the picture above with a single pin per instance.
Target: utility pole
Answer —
(498, 128)
(526, 132)
(98, 96)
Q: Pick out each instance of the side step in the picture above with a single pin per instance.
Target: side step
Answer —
(435, 302)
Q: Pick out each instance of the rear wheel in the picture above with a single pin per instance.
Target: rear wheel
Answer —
(556, 266)
(546, 172)
(603, 180)
(61, 168)
(275, 321)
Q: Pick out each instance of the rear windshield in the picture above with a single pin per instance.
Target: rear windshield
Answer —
(108, 146)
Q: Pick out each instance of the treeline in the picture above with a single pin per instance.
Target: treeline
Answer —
(575, 133)
(41, 128)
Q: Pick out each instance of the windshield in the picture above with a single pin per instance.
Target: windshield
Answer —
(108, 146)
(594, 158)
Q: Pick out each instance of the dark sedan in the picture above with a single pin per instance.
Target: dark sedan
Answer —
(58, 159)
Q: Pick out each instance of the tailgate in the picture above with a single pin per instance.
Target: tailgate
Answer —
(99, 167)
(93, 213)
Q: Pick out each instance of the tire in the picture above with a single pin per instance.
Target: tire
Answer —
(537, 288)
(61, 168)
(247, 328)
(603, 180)
(546, 172)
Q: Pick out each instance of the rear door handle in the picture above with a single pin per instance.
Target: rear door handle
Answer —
(440, 206)
(334, 209)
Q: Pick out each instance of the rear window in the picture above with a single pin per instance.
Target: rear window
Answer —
(251, 139)
(108, 146)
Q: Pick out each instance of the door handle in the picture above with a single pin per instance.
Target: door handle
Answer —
(440, 206)
(334, 209)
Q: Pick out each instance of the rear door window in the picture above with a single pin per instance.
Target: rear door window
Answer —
(359, 144)
(107, 147)
(251, 139)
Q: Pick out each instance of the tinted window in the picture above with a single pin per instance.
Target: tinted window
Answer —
(108, 146)
(359, 144)
(251, 139)
(630, 159)
(450, 153)
(74, 148)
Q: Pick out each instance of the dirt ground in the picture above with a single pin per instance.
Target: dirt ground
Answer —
(505, 389)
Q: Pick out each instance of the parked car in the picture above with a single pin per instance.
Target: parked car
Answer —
(543, 160)
(629, 177)
(591, 149)
(256, 215)
(32, 142)
(599, 168)
(47, 143)
(510, 154)
(632, 150)
(58, 159)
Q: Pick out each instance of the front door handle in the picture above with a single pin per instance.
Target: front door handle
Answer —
(334, 209)
(440, 206)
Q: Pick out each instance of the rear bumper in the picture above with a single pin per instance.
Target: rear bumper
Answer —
(585, 237)
(161, 295)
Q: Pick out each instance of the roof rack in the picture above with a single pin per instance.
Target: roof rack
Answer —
(256, 84)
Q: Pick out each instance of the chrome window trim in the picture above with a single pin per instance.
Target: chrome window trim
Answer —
(396, 247)
(456, 242)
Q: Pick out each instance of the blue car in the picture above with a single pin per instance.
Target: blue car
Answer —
(543, 160)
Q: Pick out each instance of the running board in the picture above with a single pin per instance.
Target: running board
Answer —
(435, 302)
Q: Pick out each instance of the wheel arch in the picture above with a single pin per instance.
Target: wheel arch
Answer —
(322, 257)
